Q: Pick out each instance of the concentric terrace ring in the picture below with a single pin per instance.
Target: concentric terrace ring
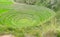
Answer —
(20, 16)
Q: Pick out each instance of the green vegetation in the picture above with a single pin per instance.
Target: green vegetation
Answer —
(30, 18)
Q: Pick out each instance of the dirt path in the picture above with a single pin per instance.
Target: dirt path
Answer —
(6, 36)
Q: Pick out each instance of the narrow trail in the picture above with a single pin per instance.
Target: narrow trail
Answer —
(7, 35)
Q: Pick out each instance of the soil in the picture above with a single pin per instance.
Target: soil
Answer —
(6, 36)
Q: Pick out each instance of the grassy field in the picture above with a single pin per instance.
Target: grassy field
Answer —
(30, 19)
